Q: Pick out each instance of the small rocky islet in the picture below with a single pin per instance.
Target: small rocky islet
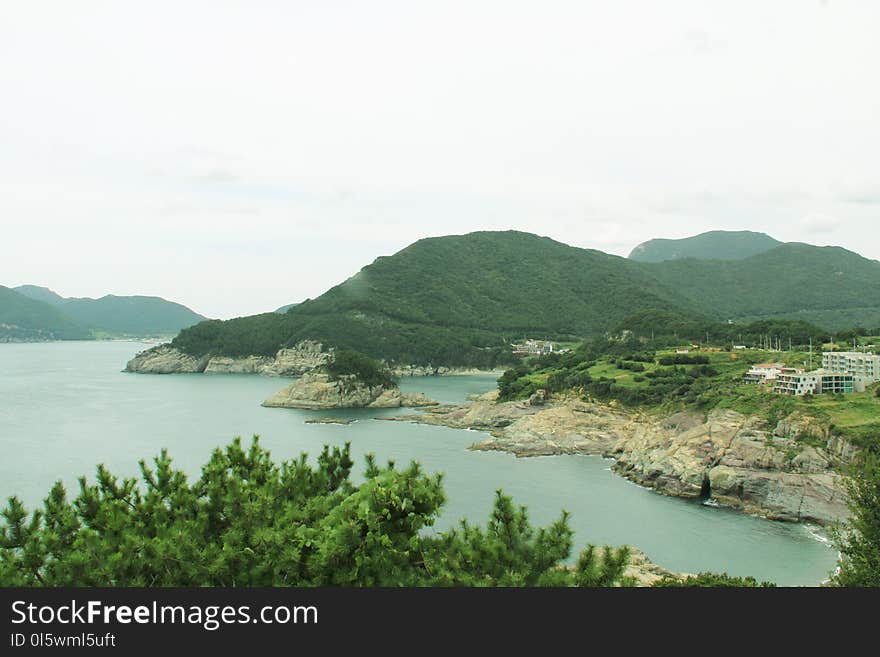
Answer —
(316, 391)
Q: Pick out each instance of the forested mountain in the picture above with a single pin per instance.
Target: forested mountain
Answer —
(73, 318)
(829, 286)
(40, 294)
(25, 319)
(454, 300)
(714, 245)
(460, 300)
(131, 314)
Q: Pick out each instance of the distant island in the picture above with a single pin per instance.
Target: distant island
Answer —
(31, 313)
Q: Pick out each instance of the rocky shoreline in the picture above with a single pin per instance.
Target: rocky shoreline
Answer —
(166, 359)
(725, 456)
(303, 357)
(317, 392)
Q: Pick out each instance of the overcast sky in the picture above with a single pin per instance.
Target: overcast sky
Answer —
(237, 156)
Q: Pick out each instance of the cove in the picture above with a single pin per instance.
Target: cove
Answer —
(64, 407)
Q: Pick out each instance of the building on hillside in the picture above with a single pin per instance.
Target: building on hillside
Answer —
(840, 383)
(795, 381)
(863, 365)
(533, 348)
(763, 373)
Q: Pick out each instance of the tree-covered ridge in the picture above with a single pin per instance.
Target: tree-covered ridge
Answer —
(714, 245)
(462, 299)
(72, 318)
(247, 521)
(505, 282)
(22, 318)
(137, 315)
(798, 280)
(457, 300)
(40, 293)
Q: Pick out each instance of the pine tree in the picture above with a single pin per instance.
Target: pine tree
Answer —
(247, 521)
(858, 539)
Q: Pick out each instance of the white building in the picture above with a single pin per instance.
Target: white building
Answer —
(796, 382)
(865, 366)
(533, 347)
(763, 372)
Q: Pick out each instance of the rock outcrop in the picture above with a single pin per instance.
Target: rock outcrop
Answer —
(291, 361)
(229, 365)
(303, 357)
(732, 460)
(317, 391)
(165, 359)
(644, 571)
(726, 456)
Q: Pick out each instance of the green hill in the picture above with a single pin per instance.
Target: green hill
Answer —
(455, 300)
(829, 286)
(714, 245)
(128, 315)
(25, 319)
(460, 300)
(135, 315)
(40, 294)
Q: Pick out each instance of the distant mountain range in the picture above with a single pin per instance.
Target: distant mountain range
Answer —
(714, 245)
(30, 312)
(459, 300)
(23, 318)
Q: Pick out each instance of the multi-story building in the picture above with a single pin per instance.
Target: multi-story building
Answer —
(797, 382)
(863, 365)
(837, 383)
(763, 373)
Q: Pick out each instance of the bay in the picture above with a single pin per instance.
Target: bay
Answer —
(66, 406)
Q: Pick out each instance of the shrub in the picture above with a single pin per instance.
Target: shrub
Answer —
(713, 580)
(370, 372)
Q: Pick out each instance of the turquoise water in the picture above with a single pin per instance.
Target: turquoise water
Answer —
(66, 406)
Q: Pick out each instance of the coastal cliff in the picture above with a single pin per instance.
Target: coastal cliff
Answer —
(165, 359)
(304, 357)
(289, 361)
(726, 456)
(317, 391)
